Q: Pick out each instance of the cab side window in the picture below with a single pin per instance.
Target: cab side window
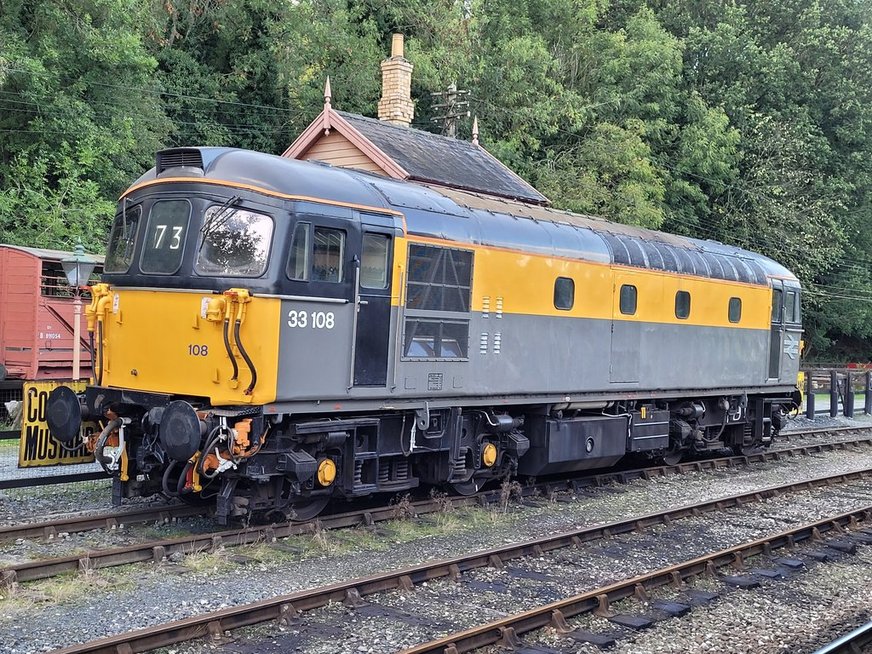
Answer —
(374, 261)
(776, 305)
(298, 261)
(791, 307)
(328, 255)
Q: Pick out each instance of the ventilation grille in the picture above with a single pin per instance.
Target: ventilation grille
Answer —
(188, 157)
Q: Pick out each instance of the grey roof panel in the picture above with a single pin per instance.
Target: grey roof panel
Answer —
(442, 160)
(491, 220)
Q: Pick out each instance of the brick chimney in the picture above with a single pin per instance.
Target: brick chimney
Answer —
(396, 106)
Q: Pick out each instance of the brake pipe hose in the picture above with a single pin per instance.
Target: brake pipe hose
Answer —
(101, 443)
(229, 349)
(245, 356)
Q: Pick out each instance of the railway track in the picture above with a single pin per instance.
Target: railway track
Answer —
(858, 640)
(506, 631)
(71, 478)
(287, 607)
(156, 551)
(111, 519)
(105, 520)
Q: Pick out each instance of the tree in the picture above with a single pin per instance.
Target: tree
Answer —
(80, 118)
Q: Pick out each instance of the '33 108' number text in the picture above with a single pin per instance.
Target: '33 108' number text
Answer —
(313, 319)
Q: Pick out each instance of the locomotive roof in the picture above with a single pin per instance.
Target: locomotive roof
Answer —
(489, 220)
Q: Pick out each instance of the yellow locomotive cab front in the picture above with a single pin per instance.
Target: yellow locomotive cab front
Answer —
(221, 347)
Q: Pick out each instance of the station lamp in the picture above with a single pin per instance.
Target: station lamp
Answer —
(78, 268)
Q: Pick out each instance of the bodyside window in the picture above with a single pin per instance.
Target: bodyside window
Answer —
(682, 305)
(628, 300)
(564, 293)
(734, 312)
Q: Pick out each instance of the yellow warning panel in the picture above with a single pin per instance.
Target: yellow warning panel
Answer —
(37, 446)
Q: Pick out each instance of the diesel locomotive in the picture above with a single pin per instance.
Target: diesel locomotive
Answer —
(270, 334)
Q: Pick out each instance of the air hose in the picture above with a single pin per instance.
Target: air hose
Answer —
(245, 356)
(101, 443)
(99, 376)
(165, 480)
(230, 349)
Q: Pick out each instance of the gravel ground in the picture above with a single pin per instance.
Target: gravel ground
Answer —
(116, 600)
(398, 620)
(801, 613)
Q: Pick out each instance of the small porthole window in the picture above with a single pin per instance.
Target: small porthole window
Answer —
(682, 305)
(564, 293)
(735, 312)
(628, 300)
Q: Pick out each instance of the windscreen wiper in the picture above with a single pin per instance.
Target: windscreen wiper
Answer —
(217, 220)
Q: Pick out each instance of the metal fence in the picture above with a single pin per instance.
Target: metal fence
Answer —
(10, 391)
(846, 389)
(41, 479)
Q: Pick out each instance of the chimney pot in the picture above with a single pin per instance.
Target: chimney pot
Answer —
(397, 45)
(396, 106)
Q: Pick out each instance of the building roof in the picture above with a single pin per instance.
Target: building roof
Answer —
(49, 255)
(416, 155)
(442, 160)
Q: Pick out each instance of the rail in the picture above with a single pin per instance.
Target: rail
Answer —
(850, 643)
(290, 605)
(556, 613)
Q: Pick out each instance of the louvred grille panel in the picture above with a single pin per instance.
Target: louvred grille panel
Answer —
(179, 157)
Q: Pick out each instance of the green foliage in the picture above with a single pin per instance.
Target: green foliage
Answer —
(743, 122)
(76, 125)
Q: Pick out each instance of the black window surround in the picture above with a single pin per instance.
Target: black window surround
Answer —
(564, 293)
(628, 300)
(682, 305)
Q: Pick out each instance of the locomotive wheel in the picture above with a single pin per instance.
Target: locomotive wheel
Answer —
(673, 457)
(468, 487)
(195, 499)
(748, 450)
(307, 508)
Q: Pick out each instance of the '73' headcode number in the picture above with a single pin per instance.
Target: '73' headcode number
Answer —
(313, 319)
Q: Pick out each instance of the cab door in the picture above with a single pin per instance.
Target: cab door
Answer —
(776, 330)
(373, 300)
(792, 334)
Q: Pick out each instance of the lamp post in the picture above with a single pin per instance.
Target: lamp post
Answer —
(78, 269)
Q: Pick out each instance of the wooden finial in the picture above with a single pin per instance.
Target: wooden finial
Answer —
(325, 115)
(475, 130)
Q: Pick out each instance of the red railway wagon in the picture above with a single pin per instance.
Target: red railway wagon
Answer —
(36, 316)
